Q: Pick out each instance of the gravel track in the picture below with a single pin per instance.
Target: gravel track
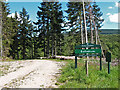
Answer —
(30, 74)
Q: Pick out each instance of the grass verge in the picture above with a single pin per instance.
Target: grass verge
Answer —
(76, 78)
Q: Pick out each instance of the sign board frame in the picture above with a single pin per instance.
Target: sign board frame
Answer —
(80, 50)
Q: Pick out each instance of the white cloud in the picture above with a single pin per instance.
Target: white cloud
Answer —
(117, 4)
(108, 14)
(110, 7)
(114, 18)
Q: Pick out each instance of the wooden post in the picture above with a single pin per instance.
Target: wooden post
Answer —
(75, 61)
(100, 62)
(86, 67)
(108, 67)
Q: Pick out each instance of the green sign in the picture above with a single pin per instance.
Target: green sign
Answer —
(80, 51)
(87, 45)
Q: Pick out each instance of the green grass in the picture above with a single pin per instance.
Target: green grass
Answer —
(76, 78)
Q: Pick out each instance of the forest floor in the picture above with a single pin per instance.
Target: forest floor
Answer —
(29, 74)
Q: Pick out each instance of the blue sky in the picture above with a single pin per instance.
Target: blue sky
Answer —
(109, 10)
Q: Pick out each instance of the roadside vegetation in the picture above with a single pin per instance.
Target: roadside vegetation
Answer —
(76, 78)
(111, 43)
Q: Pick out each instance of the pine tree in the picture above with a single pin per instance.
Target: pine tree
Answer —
(56, 28)
(14, 52)
(75, 22)
(49, 22)
(24, 32)
(7, 29)
(97, 14)
(75, 18)
(42, 23)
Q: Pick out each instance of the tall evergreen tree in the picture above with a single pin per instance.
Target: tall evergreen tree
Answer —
(97, 14)
(24, 32)
(50, 17)
(7, 29)
(14, 52)
(75, 16)
(75, 22)
(42, 23)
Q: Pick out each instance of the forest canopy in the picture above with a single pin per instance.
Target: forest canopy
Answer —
(26, 39)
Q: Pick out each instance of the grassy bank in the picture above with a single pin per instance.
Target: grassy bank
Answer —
(76, 78)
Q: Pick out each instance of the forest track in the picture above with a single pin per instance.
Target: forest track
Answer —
(31, 74)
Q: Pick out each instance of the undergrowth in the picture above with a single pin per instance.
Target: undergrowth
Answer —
(76, 78)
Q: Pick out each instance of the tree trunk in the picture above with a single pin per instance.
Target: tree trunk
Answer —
(32, 48)
(34, 56)
(1, 30)
(23, 51)
(48, 47)
(91, 25)
(81, 29)
(17, 54)
(55, 48)
(52, 47)
(95, 32)
(86, 38)
(44, 45)
(48, 37)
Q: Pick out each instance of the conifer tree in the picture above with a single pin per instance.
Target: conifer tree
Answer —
(49, 22)
(23, 32)
(7, 29)
(14, 51)
(75, 17)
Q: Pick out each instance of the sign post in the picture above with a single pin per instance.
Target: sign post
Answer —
(88, 52)
(100, 62)
(108, 59)
(75, 61)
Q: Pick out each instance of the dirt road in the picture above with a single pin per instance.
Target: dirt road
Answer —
(29, 74)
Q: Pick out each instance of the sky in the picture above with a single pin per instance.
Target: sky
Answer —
(109, 10)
